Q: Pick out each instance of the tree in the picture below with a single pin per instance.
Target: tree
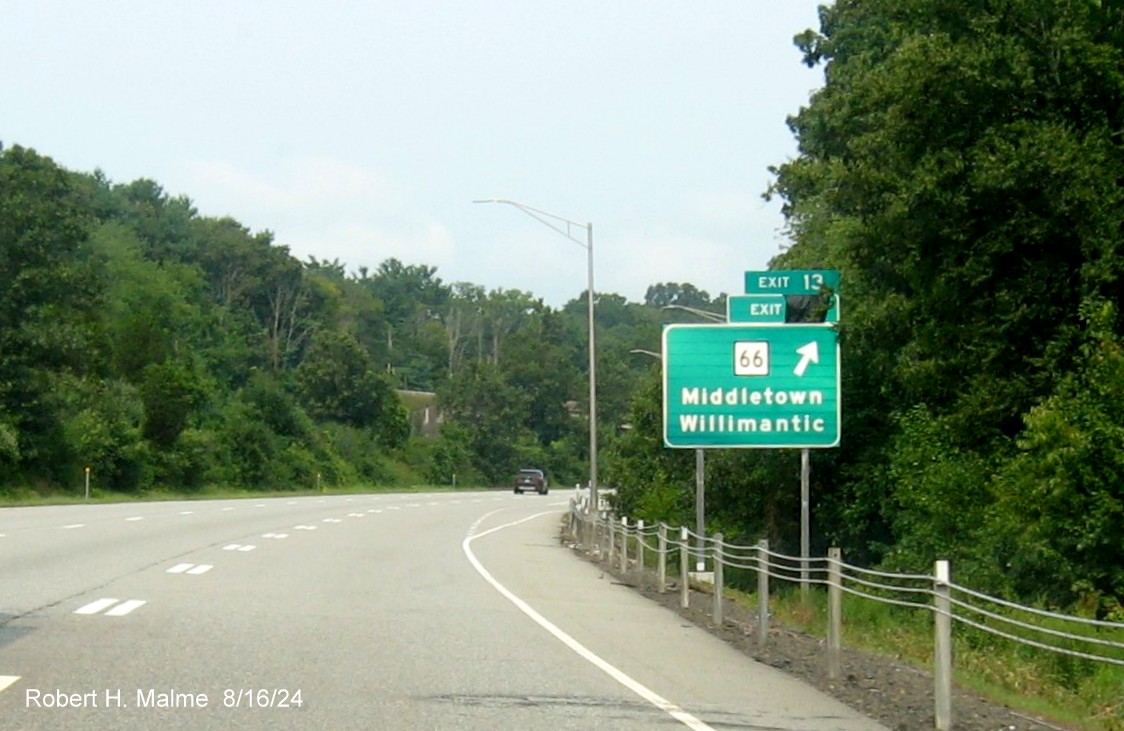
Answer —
(480, 400)
(961, 167)
(680, 294)
(50, 292)
(337, 382)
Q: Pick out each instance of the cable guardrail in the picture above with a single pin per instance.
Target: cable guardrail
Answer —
(630, 543)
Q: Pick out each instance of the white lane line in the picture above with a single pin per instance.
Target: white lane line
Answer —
(3, 535)
(331, 520)
(357, 515)
(304, 527)
(6, 680)
(190, 568)
(227, 509)
(232, 547)
(187, 512)
(584, 652)
(244, 549)
(134, 519)
(274, 535)
(260, 505)
(291, 502)
(73, 526)
(95, 607)
(125, 607)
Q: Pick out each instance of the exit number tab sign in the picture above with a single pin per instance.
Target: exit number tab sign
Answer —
(792, 281)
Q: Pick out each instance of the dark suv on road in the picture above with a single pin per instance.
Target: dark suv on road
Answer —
(530, 479)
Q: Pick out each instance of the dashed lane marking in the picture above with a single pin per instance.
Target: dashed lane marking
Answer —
(187, 512)
(240, 547)
(357, 515)
(275, 535)
(72, 526)
(97, 607)
(304, 527)
(125, 607)
(134, 519)
(226, 509)
(331, 520)
(190, 568)
(6, 680)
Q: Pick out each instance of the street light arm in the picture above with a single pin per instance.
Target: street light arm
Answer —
(705, 314)
(545, 218)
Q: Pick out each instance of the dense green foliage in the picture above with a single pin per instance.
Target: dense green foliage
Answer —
(164, 349)
(963, 167)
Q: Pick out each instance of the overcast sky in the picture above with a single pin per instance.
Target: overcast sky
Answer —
(363, 130)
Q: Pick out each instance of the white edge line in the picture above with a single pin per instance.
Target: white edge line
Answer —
(588, 655)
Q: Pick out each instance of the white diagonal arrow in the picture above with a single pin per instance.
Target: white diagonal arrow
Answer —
(810, 353)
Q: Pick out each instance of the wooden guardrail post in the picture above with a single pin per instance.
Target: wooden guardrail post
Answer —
(834, 612)
(942, 607)
(718, 579)
(762, 591)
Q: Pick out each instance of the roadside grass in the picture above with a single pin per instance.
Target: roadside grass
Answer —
(1079, 694)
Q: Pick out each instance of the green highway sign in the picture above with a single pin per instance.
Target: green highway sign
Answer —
(755, 308)
(792, 281)
(765, 386)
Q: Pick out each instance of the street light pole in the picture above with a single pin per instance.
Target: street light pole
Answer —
(556, 222)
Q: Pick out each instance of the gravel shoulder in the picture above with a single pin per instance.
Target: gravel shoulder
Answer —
(897, 694)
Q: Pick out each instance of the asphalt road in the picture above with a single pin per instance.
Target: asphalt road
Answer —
(420, 611)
